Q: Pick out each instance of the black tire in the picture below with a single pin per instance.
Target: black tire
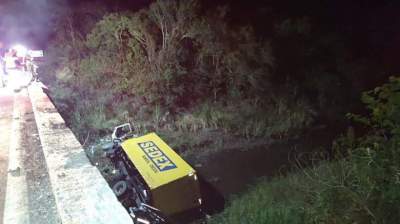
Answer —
(120, 188)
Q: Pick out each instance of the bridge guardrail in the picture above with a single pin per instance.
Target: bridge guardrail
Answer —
(81, 193)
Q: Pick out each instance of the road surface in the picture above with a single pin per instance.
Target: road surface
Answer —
(6, 111)
(25, 190)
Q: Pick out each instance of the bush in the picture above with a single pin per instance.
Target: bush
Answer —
(168, 65)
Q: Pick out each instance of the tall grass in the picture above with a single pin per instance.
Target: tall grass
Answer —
(273, 202)
(335, 192)
(248, 119)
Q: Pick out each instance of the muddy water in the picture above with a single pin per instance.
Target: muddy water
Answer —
(231, 171)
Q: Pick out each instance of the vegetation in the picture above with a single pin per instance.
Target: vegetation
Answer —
(360, 186)
(173, 66)
(190, 73)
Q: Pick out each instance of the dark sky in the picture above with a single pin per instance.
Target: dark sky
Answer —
(29, 22)
(369, 24)
(371, 28)
(26, 21)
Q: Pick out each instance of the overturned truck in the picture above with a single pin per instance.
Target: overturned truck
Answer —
(154, 181)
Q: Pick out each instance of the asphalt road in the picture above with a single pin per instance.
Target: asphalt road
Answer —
(6, 112)
(16, 79)
(25, 196)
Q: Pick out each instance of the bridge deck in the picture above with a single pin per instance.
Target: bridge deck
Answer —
(50, 179)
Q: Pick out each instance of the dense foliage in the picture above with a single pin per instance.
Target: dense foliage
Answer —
(360, 186)
(170, 65)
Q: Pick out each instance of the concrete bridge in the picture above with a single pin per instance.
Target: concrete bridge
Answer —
(45, 176)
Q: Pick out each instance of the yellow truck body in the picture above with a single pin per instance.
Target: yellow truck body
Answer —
(172, 182)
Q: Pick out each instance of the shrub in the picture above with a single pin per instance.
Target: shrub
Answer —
(169, 65)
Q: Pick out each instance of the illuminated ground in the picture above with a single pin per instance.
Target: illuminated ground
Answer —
(24, 183)
(17, 79)
(46, 179)
(6, 110)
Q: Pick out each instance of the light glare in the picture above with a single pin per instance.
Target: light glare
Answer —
(21, 50)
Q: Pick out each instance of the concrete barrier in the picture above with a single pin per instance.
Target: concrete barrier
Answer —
(81, 193)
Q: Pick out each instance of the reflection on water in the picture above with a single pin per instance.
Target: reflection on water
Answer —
(231, 171)
(212, 203)
(213, 200)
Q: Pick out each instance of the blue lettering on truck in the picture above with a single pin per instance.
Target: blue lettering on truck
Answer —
(159, 159)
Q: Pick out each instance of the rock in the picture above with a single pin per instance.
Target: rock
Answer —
(15, 172)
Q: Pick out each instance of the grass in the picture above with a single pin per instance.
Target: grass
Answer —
(360, 188)
(248, 119)
(277, 201)
(207, 126)
(294, 198)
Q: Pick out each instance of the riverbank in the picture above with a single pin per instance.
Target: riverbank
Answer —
(358, 184)
(228, 166)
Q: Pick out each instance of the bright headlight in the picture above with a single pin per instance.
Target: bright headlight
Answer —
(21, 50)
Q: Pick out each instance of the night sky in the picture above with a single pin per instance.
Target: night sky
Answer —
(370, 28)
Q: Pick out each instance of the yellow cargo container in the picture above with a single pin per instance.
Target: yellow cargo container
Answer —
(173, 183)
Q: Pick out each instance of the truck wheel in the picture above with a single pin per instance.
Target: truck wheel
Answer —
(120, 188)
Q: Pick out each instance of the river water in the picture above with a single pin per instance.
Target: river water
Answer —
(232, 171)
